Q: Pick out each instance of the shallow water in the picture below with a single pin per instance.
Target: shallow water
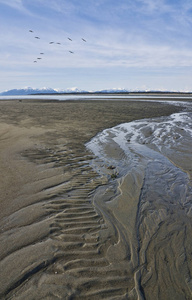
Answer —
(151, 160)
(163, 138)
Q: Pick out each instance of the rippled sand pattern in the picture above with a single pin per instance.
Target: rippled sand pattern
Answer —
(72, 230)
(66, 242)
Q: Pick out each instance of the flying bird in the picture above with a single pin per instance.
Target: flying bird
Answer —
(51, 43)
(71, 51)
(39, 57)
(36, 37)
(83, 40)
(35, 61)
(41, 53)
(69, 39)
(30, 30)
(58, 43)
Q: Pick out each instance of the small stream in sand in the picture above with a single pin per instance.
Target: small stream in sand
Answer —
(162, 144)
(152, 162)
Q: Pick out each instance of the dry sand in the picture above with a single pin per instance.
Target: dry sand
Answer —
(68, 233)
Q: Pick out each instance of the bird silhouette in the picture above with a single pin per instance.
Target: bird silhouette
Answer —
(58, 43)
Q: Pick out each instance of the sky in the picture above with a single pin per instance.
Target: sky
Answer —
(130, 44)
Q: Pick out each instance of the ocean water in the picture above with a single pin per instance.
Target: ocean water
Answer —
(99, 97)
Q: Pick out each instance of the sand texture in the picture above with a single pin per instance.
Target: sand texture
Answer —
(69, 229)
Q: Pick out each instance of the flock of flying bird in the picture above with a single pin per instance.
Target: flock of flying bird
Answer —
(42, 53)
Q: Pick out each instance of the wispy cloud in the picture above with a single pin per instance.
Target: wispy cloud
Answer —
(18, 5)
(124, 35)
(110, 52)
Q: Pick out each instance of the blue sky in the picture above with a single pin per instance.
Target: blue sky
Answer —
(132, 44)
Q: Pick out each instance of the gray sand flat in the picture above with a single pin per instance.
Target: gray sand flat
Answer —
(68, 232)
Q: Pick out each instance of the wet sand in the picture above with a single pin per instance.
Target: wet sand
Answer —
(69, 231)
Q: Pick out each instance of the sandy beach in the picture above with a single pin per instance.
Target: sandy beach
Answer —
(73, 226)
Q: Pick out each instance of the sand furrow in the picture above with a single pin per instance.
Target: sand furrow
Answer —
(80, 263)
(75, 229)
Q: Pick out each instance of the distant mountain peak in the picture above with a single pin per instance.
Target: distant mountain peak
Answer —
(27, 91)
(44, 90)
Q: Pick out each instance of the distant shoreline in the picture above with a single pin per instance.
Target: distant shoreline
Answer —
(102, 93)
(117, 93)
(130, 97)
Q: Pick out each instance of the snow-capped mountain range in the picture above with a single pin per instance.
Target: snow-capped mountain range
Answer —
(32, 91)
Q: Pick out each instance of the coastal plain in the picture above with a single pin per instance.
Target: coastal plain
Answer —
(68, 232)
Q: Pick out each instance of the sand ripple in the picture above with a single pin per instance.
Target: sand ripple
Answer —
(64, 245)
